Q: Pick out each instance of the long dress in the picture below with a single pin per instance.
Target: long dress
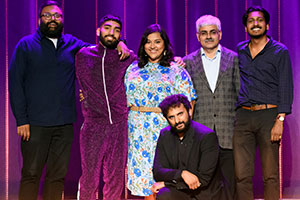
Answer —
(147, 87)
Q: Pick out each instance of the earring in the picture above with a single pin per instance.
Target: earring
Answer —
(165, 53)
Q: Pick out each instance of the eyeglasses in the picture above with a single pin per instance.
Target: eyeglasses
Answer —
(211, 33)
(49, 15)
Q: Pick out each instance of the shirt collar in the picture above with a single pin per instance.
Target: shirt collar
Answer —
(218, 52)
(41, 36)
(245, 47)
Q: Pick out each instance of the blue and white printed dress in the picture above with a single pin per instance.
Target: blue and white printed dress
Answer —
(148, 86)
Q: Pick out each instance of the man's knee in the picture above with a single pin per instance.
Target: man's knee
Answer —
(164, 194)
(171, 194)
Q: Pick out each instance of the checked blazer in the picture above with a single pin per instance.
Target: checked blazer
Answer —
(216, 110)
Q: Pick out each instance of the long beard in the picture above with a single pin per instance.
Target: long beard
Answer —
(56, 33)
(109, 44)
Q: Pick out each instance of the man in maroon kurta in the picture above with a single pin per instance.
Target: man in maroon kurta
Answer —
(103, 136)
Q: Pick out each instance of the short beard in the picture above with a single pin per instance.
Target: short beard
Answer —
(258, 36)
(56, 33)
(110, 44)
(184, 130)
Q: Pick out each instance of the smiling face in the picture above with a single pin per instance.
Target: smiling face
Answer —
(53, 26)
(154, 47)
(209, 37)
(109, 34)
(256, 25)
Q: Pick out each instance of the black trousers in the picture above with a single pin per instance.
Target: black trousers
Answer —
(171, 193)
(226, 164)
(48, 146)
(252, 129)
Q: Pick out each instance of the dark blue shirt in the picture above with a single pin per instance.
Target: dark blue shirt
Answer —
(41, 80)
(266, 79)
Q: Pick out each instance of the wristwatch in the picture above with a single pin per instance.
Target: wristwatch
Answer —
(280, 118)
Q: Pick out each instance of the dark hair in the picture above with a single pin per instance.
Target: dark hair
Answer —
(110, 17)
(256, 8)
(174, 101)
(167, 56)
(49, 3)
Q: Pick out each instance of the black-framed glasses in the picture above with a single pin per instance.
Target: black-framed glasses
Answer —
(49, 15)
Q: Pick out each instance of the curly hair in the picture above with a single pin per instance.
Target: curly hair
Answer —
(167, 56)
(174, 101)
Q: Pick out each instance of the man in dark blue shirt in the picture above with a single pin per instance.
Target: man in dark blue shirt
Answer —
(42, 97)
(265, 97)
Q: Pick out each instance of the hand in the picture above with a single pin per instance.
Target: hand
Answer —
(24, 131)
(157, 186)
(122, 50)
(81, 97)
(190, 179)
(179, 61)
(191, 111)
(277, 130)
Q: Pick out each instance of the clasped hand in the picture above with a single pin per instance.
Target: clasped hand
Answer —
(190, 179)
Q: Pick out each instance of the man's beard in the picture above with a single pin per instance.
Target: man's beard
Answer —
(184, 130)
(109, 44)
(258, 36)
(56, 33)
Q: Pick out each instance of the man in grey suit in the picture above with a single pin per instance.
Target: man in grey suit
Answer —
(215, 73)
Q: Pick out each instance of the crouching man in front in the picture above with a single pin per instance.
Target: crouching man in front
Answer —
(185, 163)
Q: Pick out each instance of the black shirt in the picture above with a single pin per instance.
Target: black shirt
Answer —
(181, 149)
(266, 79)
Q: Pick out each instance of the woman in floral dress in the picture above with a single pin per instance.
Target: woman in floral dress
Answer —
(147, 82)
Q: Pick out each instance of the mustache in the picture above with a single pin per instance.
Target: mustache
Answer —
(176, 124)
(256, 27)
(110, 36)
(209, 40)
(52, 22)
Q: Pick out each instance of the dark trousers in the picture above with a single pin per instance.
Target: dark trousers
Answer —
(171, 193)
(103, 147)
(252, 129)
(48, 146)
(226, 164)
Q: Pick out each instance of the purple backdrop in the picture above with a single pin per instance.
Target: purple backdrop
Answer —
(18, 18)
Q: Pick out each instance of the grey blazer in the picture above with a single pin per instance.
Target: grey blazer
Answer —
(216, 110)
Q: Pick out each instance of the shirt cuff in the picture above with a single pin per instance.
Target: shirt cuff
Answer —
(21, 122)
(285, 108)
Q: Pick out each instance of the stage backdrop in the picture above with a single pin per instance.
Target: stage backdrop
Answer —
(19, 18)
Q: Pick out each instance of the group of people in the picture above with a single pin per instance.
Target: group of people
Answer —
(219, 108)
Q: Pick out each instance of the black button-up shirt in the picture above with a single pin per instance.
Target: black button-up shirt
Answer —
(41, 80)
(181, 149)
(266, 79)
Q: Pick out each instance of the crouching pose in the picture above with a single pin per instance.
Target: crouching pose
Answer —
(185, 163)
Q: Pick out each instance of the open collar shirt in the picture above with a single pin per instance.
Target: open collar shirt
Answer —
(267, 78)
(211, 67)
